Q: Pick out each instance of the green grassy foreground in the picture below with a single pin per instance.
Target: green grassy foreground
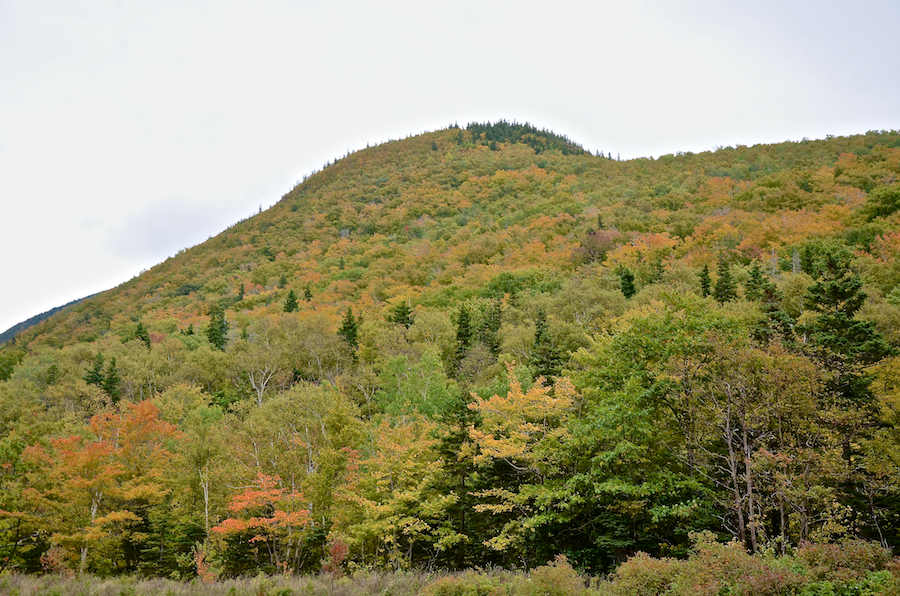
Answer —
(851, 568)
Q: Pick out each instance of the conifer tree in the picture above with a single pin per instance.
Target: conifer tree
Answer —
(705, 281)
(282, 281)
(626, 277)
(775, 322)
(111, 381)
(349, 330)
(755, 283)
(241, 292)
(141, 333)
(544, 355)
(401, 314)
(489, 332)
(463, 335)
(217, 330)
(725, 290)
(847, 343)
(307, 293)
(95, 376)
(291, 305)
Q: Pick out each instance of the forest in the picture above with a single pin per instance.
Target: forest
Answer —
(485, 348)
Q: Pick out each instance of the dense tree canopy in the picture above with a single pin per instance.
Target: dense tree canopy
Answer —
(507, 349)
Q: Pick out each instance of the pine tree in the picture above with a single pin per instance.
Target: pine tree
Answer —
(282, 281)
(217, 330)
(349, 330)
(626, 277)
(141, 333)
(705, 281)
(111, 381)
(775, 321)
(241, 292)
(401, 314)
(725, 290)
(291, 304)
(489, 332)
(95, 376)
(307, 293)
(463, 335)
(544, 355)
(847, 344)
(755, 283)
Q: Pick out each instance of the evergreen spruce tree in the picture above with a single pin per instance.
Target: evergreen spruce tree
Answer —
(544, 355)
(463, 335)
(141, 333)
(190, 330)
(401, 314)
(489, 332)
(307, 293)
(626, 277)
(846, 344)
(291, 304)
(705, 281)
(349, 331)
(775, 322)
(111, 381)
(95, 376)
(725, 290)
(755, 283)
(217, 331)
(241, 292)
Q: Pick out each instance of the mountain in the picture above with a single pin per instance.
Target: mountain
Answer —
(15, 329)
(479, 346)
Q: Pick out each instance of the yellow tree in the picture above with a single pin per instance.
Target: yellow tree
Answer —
(526, 432)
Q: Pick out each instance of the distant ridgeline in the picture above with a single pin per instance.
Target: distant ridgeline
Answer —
(15, 329)
(540, 140)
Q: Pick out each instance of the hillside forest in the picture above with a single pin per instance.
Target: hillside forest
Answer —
(476, 347)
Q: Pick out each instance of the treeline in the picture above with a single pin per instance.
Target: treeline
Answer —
(423, 364)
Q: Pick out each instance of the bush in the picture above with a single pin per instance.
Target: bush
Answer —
(556, 579)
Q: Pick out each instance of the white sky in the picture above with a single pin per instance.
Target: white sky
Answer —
(130, 130)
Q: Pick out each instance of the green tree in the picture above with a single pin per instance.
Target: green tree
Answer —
(401, 314)
(94, 375)
(217, 330)
(544, 354)
(626, 277)
(291, 305)
(463, 336)
(141, 333)
(705, 281)
(489, 331)
(241, 292)
(726, 289)
(349, 330)
(111, 381)
(755, 283)
(307, 293)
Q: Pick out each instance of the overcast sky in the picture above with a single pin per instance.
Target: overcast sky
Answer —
(130, 130)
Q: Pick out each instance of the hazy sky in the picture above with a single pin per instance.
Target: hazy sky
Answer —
(130, 130)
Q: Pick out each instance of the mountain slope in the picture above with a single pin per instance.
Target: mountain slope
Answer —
(480, 347)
